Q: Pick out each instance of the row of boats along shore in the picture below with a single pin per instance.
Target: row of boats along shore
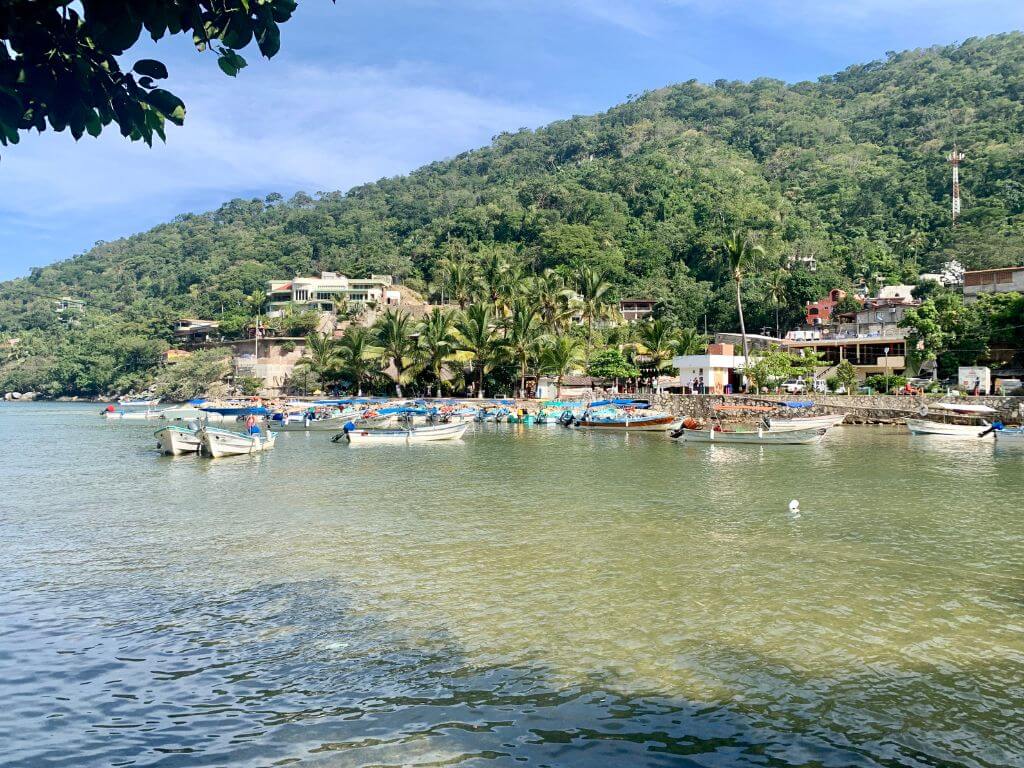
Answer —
(219, 428)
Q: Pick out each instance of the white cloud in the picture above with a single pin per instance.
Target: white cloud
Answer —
(277, 127)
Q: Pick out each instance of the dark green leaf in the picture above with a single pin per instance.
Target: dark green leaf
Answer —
(169, 105)
(151, 68)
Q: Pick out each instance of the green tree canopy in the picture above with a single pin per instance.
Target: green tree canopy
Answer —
(611, 364)
(60, 67)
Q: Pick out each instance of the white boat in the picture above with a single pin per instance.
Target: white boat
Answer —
(222, 442)
(805, 422)
(175, 440)
(753, 437)
(407, 436)
(146, 415)
(977, 427)
(946, 429)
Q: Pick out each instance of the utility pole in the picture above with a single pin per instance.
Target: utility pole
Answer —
(955, 158)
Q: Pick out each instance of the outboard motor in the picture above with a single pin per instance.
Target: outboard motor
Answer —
(566, 419)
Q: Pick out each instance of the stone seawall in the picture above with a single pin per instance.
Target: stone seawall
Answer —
(859, 409)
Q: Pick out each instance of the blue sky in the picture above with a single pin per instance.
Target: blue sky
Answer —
(371, 88)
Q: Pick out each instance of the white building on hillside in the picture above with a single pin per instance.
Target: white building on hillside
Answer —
(329, 288)
(897, 293)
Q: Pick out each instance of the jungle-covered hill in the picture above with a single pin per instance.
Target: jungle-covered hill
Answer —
(850, 169)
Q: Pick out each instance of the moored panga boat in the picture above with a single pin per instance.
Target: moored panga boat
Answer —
(805, 422)
(751, 437)
(406, 436)
(222, 442)
(970, 423)
(628, 419)
(176, 440)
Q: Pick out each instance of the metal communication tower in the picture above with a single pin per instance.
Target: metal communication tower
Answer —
(955, 158)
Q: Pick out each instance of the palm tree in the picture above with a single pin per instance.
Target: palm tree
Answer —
(523, 333)
(460, 281)
(777, 293)
(510, 286)
(690, 341)
(476, 334)
(551, 296)
(393, 331)
(559, 356)
(594, 299)
(660, 341)
(492, 273)
(436, 341)
(319, 357)
(739, 250)
(357, 356)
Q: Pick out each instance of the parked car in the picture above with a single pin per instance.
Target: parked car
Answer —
(794, 386)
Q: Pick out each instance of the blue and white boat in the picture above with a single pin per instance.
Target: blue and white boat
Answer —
(235, 408)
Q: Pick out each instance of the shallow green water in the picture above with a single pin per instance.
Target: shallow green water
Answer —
(526, 596)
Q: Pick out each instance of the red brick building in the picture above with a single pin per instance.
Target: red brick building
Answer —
(820, 312)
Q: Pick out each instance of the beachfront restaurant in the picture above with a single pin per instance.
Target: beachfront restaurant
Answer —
(868, 355)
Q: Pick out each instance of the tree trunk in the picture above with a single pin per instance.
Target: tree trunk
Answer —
(743, 327)
(522, 380)
(398, 378)
(558, 387)
(480, 384)
(777, 321)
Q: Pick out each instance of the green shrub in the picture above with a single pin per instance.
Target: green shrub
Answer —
(194, 375)
(250, 385)
(879, 381)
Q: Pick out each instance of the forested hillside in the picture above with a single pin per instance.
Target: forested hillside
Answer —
(850, 169)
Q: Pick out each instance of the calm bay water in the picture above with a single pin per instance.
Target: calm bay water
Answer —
(528, 596)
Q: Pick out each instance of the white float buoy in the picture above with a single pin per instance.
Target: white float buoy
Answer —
(794, 506)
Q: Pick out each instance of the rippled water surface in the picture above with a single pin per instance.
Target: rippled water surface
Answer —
(528, 596)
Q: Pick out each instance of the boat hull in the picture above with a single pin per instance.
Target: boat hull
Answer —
(760, 437)
(805, 422)
(941, 429)
(176, 441)
(131, 415)
(661, 424)
(220, 443)
(407, 436)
